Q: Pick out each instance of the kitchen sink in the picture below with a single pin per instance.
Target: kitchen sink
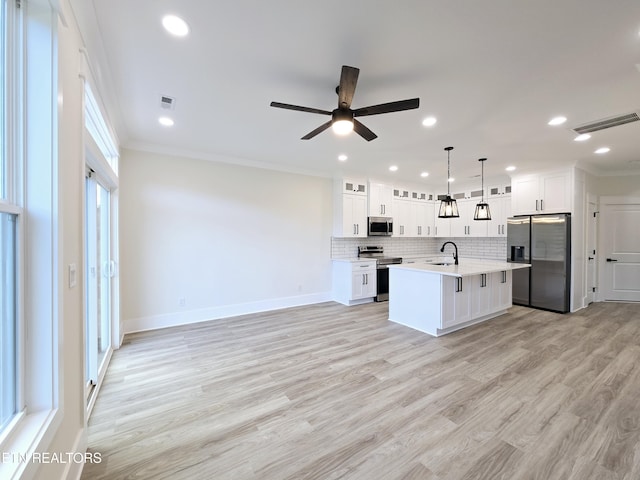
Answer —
(443, 263)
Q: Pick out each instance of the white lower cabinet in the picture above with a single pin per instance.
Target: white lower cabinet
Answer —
(472, 297)
(456, 300)
(354, 282)
(437, 304)
(500, 289)
(481, 300)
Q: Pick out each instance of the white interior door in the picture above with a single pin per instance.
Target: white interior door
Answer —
(592, 229)
(620, 259)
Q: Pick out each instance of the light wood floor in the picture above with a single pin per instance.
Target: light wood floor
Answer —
(329, 392)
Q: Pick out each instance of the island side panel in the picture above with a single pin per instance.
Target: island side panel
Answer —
(415, 299)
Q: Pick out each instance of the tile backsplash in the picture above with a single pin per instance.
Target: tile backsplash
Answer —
(493, 248)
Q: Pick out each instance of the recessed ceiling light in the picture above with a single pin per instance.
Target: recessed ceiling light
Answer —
(582, 138)
(510, 168)
(342, 157)
(393, 168)
(166, 121)
(557, 120)
(429, 121)
(424, 174)
(175, 25)
(602, 150)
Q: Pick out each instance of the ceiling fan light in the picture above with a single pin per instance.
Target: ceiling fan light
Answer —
(448, 208)
(482, 212)
(342, 127)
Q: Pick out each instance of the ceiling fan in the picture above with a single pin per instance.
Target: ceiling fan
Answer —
(342, 118)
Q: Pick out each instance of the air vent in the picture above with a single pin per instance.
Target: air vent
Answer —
(167, 102)
(607, 123)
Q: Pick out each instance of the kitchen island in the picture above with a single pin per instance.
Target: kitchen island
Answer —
(439, 299)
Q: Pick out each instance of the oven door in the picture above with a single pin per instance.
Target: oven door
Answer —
(382, 278)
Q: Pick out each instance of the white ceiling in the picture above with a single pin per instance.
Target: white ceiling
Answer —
(492, 72)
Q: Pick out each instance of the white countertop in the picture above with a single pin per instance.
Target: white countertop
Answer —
(466, 267)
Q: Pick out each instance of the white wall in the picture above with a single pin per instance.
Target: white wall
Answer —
(227, 239)
(628, 185)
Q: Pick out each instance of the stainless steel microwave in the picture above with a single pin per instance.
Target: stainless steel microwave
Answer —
(380, 227)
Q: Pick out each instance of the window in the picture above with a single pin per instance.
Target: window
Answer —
(8, 251)
(8, 363)
(30, 404)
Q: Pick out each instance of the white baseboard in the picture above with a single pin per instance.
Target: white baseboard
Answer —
(155, 322)
(73, 470)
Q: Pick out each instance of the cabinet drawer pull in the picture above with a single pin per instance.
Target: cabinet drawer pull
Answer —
(458, 284)
(483, 280)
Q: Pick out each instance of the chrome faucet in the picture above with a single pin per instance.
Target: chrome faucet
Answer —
(455, 255)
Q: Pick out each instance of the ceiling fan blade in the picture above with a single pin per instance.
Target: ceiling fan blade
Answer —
(347, 87)
(299, 109)
(318, 130)
(387, 107)
(363, 131)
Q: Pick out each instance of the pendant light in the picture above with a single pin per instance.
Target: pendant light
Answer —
(448, 206)
(482, 209)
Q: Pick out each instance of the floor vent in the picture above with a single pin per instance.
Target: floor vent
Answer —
(607, 123)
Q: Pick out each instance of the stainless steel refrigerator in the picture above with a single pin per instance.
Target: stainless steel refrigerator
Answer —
(544, 241)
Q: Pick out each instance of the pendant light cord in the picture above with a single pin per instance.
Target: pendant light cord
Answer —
(448, 149)
(448, 173)
(482, 165)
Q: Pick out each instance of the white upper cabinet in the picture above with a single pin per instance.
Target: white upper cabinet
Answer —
(544, 193)
(498, 190)
(350, 209)
(420, 218)
(354, 187)
(500, 210)
(380, 200)
(402, 221)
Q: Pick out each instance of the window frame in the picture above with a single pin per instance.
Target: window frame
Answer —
(33, 149)
(11, 200)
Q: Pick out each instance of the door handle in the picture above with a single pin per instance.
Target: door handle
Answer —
(611, 260)
(590, 258)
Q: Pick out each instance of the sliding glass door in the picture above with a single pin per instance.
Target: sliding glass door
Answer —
(99, 270)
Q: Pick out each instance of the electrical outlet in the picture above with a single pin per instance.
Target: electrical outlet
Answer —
(182, 302)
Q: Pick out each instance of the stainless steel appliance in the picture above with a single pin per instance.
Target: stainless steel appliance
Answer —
(544, 241)
(380, 227)
(382, 270)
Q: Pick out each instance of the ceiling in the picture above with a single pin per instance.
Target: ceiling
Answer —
(493, 73)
